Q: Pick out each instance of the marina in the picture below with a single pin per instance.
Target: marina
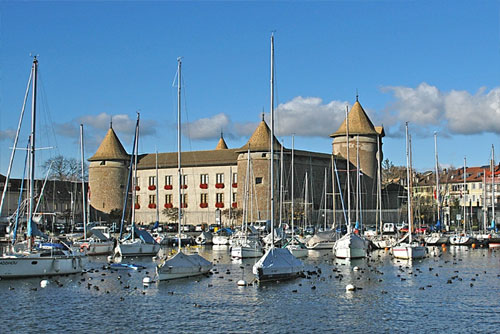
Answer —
(452, 289)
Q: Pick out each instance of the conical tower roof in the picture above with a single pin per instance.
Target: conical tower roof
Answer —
(110, 148)
(221, 145)
(359, 123)
(260, 139)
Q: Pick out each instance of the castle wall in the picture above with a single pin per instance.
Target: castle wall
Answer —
(108, 182)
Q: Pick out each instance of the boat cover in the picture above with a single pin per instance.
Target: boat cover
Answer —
(144, 236)
(98, 234)
(325, 236)
(279, 259)
(183, 260)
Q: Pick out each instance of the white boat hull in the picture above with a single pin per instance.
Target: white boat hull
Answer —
(321, 245)
(461, 240)
(183, 266)
(31, 266)
(436, 240)
(243, 252)
(220, 240)
(350, 246)
(298, 251)
(408, 252)
(97, 247)
(136, 248)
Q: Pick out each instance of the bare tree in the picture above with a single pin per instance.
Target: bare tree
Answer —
(64, 169)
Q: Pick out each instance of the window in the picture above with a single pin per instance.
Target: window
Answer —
(152, 181)
(136, 199)
(168, 198)
(219, 178)
(219, 198)
(168, 180)
(184, 199)
(204, 198)
(184, 180)
(136, 180)
(204, 179)
(234, 197)
(235, 177)
(258, 180)
(152, 199)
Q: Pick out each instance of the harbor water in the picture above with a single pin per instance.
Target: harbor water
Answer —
(454, 291)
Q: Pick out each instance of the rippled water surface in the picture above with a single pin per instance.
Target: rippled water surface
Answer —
(458, 291)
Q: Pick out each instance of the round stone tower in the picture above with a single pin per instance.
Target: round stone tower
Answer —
(369, 138)
(108, 173)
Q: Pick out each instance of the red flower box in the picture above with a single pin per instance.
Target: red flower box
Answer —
(137, 188)
(203, 186)
(184, 186)
(235, 185)
(234, 205)
(219, 185)
(203, 205)
(168, 205)
(137, 206)
(152, 187)
(152, 205)
(219, 205)
(168, 187)
(184, 205)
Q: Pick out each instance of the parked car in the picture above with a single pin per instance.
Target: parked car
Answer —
(404, 229)
(199, 228)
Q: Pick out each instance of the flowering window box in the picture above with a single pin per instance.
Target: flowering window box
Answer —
(168, 205)
(203, 186)
(219, 205)
(235, 185)
(219, 185)
(203, 205)
(137, 188)
(184, 186)
(137, 206)
(168, 187)
(152, 187)
(184, 205)
(152, 205)
(234, 205)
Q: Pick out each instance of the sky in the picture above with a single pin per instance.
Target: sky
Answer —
(434, 64)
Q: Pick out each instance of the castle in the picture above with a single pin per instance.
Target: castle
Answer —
(216, 181)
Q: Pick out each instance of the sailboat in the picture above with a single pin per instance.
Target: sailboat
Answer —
(45, 258)
(246, 244)
(138, 242)
(97, 243)
(437, 238)
(410, 250)
(181, 265)
(276, 263)
(351, 245)
(463, 238)
(297, 248)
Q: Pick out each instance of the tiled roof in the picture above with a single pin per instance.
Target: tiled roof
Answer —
(260, 140)
(359, 123)
(110, 148)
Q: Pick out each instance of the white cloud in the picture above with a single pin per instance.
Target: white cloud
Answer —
(454, 112)
(309, 116)
(8, 134)
(208, 128)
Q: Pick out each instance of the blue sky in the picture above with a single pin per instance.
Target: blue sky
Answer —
(432, 63)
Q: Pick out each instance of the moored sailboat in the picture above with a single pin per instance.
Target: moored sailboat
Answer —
(181, 265)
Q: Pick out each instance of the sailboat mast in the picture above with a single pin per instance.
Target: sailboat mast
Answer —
(293, 185)
(465, 191)
(179, 212)
(34, 70)
(437, 180)
(408, 195)
(157, 191)
(324, 220)
(281, 187)
(379, 187)
(84, 208)
(493, 186)
(348, 171)
(272, 140)
(134, 178)
(357, 182)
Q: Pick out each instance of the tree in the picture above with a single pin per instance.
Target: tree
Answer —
(171, 213)
(391, 172)
(64, 169)
(235, 214)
